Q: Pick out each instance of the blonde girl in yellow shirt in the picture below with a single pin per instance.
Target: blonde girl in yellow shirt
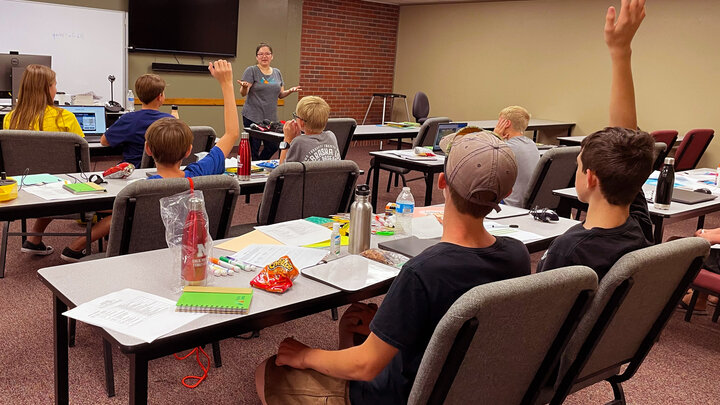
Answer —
(35, 111)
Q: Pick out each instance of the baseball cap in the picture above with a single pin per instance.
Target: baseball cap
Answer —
(475, 161)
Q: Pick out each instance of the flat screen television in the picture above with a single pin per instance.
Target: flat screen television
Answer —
(206, 27)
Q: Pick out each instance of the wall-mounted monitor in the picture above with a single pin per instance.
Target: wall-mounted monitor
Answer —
(207, 27)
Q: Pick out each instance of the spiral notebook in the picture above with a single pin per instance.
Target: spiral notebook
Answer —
(218, 300)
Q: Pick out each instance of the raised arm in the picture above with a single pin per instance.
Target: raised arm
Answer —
(222, 71)
(618, 37)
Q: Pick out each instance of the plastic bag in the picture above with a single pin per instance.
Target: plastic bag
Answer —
(276, 276)
(385, 257)
(187, 235)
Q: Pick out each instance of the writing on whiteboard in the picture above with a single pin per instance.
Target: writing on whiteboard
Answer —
(68, 35)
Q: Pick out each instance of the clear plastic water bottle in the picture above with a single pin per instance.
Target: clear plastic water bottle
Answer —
(130, 105)
(405, 208)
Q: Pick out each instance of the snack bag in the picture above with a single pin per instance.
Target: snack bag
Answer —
(276, 276)
(120, 171)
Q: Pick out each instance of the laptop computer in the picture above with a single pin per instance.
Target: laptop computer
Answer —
(691, 197)
(91, 119)
(444, 130)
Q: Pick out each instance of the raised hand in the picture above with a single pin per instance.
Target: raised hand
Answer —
(221, 70)
(619, 33)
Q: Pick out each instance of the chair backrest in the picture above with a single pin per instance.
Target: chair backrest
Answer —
(43, 152)
(428, 130)
(137, 225)
(203, 141)
(343, 128)
(668, 137)
(297, 190)
(421, 107)
(660, 151)
(555, 170)
(692, 148)
(633, 303)
(499, 341)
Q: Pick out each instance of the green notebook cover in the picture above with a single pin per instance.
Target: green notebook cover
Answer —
(215, 300)
(82, 188)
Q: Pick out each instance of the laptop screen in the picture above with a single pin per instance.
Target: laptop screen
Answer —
(444, 130)
(91, 118)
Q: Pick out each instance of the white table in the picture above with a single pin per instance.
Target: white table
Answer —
(535, 125)
(427, 167)
(77, 283)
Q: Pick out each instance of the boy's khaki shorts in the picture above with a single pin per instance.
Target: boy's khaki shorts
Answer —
(287, 385)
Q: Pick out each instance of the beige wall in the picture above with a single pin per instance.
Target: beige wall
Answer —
(277, 22)
(473, 59)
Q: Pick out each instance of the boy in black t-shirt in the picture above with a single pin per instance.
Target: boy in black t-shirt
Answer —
(480, 171)
(612, 166)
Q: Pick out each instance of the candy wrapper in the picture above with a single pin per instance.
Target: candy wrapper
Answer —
(276, 276)
(120, 171)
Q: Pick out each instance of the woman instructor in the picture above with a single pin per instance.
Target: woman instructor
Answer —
(263, 86)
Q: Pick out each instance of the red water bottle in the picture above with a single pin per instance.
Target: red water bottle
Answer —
(194, 254)
(243, 158)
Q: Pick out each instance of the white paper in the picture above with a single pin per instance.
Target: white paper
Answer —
(52, 191)
(134, 313)
(262, 255)
(410, 155)
(507, 211)
(426, 227)
(522, 236)
(296, 233)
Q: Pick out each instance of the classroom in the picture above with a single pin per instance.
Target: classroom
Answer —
(368, 61)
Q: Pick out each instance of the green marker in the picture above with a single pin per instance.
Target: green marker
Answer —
(385, 233)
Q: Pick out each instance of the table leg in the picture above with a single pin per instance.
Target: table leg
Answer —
(701, 222)
(429, 177)
(375, 180)
(399, 145)
(570, 130)
(383, 116)
(535, 131)
(138, 379)
(658, 232)
(62, 388)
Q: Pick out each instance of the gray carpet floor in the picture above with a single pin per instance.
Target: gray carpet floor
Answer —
(681, 368)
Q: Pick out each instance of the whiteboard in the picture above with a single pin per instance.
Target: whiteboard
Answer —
(86, 44)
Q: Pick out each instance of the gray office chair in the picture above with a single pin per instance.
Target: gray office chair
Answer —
(633, 304)
(204, 141)
(34, 152)
(137, 227)
(299, 190)
(499, 342)
(555, 170)
(343, 128)
(421, 107)
(425, 137)
(660, 151)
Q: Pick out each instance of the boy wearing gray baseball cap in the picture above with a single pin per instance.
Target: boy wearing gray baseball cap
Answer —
(480, 171)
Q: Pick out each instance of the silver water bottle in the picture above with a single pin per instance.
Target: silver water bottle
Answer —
(360, 217)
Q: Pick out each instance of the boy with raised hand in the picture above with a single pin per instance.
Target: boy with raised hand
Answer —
(612, 166)
(169, 141)
(511, 126)
(129, 130)
(310, 116)
(480, 171)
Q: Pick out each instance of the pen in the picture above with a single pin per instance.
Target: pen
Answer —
(241, 265)
(222, 264)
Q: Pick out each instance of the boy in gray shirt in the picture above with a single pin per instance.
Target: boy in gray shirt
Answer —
(310, 116)
(511, 127)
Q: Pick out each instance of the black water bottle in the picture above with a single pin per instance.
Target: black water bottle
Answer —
(665, 183)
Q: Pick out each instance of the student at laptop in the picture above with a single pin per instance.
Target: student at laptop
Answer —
(310, 116)
(612, 166)
(35, 111)
(129, 129)
(511, 126)
(169, 141)
(480, 172)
